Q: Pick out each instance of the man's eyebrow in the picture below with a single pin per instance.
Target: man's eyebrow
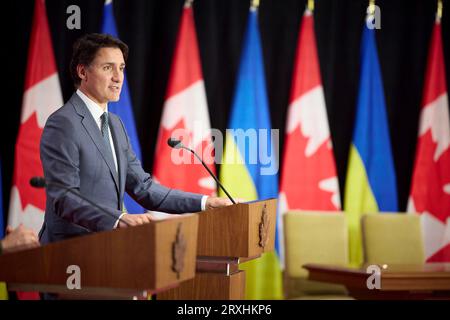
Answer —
(112, 63)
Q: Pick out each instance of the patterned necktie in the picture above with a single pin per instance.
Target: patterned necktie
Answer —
(105, 132)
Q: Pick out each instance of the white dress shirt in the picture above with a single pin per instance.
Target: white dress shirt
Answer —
(97, 112)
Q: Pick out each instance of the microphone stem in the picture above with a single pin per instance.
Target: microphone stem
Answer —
(212, 174)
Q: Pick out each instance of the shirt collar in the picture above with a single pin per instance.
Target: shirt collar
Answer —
(93, 107)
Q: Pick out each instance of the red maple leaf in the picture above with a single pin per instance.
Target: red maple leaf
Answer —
(28, 163)
(185, 176)
(429, 179)
(302, 174)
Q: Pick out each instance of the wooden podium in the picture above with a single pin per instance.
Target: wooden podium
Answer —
(122, 263)
(226, 237)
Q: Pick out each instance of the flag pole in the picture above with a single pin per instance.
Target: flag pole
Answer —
(371, 7)
(310, 5)
(255, 5)
(439, 11)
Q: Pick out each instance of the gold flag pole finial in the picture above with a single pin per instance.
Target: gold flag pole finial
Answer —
(371, 7)
(439, 10)
(311, 5)
(255, 4)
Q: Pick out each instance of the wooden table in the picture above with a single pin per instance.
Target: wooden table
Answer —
(427, 281)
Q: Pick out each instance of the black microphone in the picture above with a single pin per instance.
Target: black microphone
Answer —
(177, 144)
(37, 182)
(40, 182)
(174, 143)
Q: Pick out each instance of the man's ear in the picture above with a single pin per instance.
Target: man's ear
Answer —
(81, 71)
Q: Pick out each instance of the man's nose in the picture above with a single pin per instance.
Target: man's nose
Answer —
(117, 76)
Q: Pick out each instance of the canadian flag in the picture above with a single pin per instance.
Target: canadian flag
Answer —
(308, 178)
(42, 97)
(430, 189)
(185, 115)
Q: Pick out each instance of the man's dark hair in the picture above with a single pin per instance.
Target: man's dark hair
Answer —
(85, 50)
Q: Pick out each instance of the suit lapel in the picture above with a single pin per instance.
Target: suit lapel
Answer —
(95, 134)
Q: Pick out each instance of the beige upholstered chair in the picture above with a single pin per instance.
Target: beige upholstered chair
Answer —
(313, 237)
(392, 238)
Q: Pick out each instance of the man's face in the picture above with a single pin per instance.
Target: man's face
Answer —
(102, 79)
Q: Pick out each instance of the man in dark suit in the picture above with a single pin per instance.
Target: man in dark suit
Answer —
(86, 148)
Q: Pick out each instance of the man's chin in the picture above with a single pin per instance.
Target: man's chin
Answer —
(115, 98)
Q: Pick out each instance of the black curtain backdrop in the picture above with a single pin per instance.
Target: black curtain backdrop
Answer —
(150, 27)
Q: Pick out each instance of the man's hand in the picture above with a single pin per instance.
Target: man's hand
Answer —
(19, 239)
(216, 202)
(134, 220)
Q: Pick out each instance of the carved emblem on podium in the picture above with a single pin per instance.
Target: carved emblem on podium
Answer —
(178, 252)
(264, 228)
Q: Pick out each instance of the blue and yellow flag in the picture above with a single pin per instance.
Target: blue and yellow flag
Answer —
(123, 107)
(250, 168)
(371, 184)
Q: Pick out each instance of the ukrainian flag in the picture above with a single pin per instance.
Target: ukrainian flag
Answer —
(243, 172)
(371, 184)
